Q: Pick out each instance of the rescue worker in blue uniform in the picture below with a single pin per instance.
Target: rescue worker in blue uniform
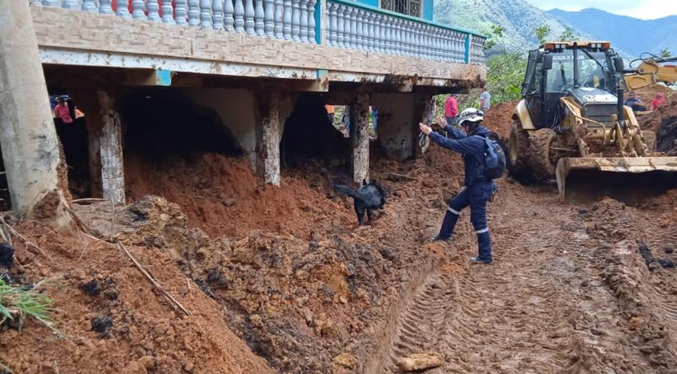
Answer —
(478, 189)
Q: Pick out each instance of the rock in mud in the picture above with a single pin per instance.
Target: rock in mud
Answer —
(346, 360)
(91, 288)
(666, 264)
(669, 250)
(6, 255)
(420, 361)
(102, 325)
(646, 255)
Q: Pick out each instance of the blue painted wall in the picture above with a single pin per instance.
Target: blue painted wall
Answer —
(369, 2)
(428, 9)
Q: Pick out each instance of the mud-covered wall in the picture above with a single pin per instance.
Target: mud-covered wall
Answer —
(395, 120)
(237, 110)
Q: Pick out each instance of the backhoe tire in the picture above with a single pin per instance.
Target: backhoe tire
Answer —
(519, 150)
(542, 163)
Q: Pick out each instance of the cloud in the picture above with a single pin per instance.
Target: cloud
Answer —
(644, 9)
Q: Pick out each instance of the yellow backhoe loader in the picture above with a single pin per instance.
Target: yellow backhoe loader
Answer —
(572, 119)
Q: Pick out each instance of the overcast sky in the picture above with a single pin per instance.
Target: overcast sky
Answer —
(645, 9)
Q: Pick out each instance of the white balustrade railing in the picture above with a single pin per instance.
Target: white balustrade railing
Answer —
(349, 24)
(477, 50)
(282, 19)
(355, 26)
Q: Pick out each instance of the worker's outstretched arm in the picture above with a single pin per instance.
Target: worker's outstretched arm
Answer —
(457, 145)
(454, 133)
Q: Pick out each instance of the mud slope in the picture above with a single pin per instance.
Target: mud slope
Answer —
(109, 317)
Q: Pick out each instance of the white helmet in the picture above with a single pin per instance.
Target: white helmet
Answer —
(470, 115)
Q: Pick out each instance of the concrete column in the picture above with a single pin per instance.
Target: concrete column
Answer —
(269, 147)
(30, 148)
(94, 155)
(112, 166)
(361, 145)
(427, 116)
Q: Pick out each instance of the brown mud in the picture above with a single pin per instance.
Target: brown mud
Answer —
(281, 280)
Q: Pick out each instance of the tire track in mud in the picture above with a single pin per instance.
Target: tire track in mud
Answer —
(419, 325)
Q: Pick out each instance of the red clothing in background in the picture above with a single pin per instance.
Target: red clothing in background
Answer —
(450, 107)
(62, 112)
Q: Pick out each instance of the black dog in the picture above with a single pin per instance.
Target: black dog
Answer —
(367, 198)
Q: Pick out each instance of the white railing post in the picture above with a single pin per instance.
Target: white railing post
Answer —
(205, 14)
(333, 24)
(123, 10)
(89, 6)
(295, 21)
(229, 20)
(154, 10)
(278, 19)
(217, 14)
(372, 34)
(340, 26)
(311, 21)
(399, 36)
(167, 12)
(353, 27)
(387, 29)
(287, 20)
(258, 18)
(57, 3)
(268, 24)
(104, 6)
(138, 8)
(359, 24)
(303, 27)
(69, 4)
(193, 13)
(249, 17)
(239, 16)
(417, 40)
(377, 33)
(181, 12)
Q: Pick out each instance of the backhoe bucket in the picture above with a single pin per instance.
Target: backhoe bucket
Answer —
(627, 179)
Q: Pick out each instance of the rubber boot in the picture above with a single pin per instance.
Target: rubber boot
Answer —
(484, 248)
(447, 228)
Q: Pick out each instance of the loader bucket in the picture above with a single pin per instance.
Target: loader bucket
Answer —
(627, 179)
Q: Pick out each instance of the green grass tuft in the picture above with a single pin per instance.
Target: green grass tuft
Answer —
(17, 302)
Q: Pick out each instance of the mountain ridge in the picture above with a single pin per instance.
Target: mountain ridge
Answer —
(519, 20)
(646, 36)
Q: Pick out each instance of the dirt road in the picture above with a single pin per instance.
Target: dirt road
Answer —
(561, 297)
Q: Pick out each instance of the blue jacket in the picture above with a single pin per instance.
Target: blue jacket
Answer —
(471, 147)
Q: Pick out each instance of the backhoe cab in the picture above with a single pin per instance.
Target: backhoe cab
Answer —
(572, 118)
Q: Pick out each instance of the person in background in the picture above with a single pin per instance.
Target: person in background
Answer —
(485, 100)
(374, 121)
(451, 110)
(62, 112)
(658, 101)
(346, 120)
(634, 102)
(330, 113)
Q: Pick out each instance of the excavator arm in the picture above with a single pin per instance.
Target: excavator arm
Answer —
(651, 71)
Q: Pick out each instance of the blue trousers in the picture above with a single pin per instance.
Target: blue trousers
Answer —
(475, 197)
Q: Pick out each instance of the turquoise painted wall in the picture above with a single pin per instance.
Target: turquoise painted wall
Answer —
(369, 2)
(428, 9)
